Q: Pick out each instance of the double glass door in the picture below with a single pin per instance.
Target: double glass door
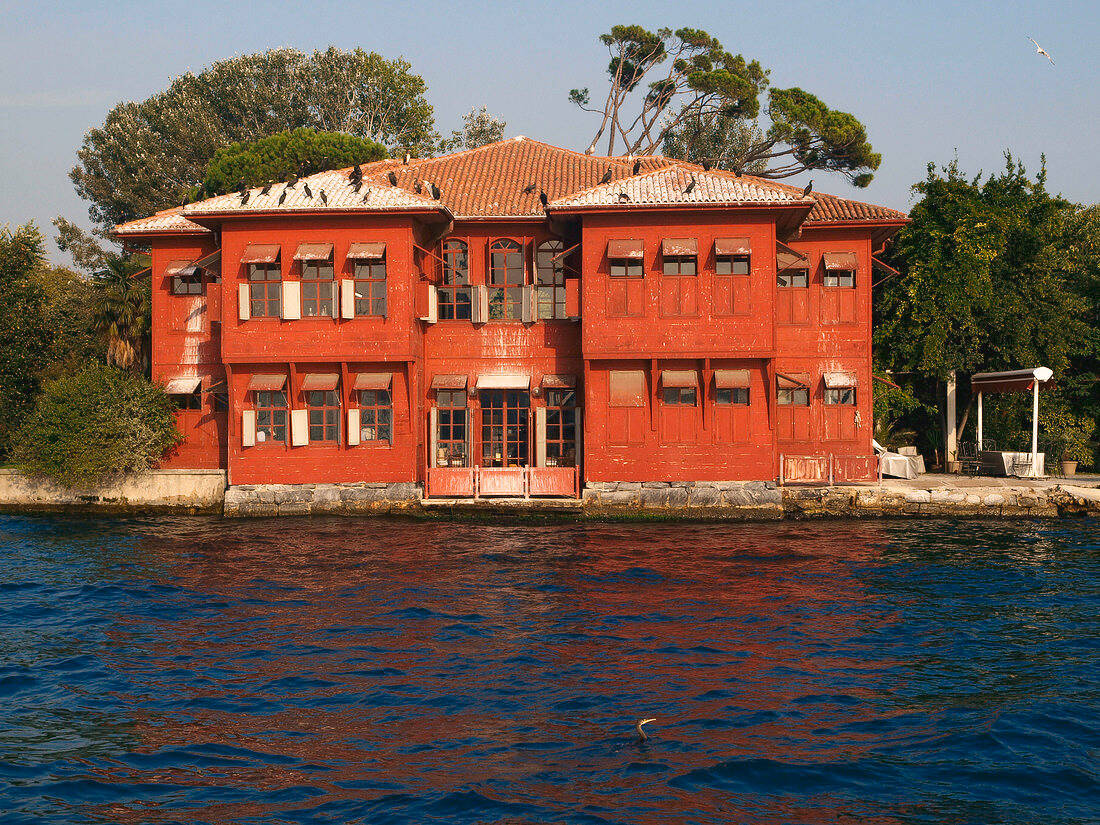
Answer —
(505, 428)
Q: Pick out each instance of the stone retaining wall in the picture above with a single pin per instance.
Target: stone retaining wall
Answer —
(758, 500)
(188, 490)
(244, 500)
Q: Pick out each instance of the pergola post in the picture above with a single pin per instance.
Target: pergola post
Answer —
(980, 442)
(950, 447)
(1035, 430)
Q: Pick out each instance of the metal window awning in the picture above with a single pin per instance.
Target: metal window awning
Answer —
(627, 388)
(211, 262)
(180, 268)
(449, 382)
(508, 381)
(313, 252)
(1010, 381)
(792, 381)
(732, 246)
(731, 379)
(679, 378)
(260, 253)
(183, 385)
(789, 260)
(320, 381)
(676, 247)
(633, 250)
(267, 382)
(373, 381)
(839, 380)
(559, 382)
(363, 251)
(840, 260)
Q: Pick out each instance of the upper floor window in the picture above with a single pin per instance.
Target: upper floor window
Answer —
(271, 415)
(454, 292)
(840, 395)
(550, 266)
(679, 265)
(840, 278)
(265, 290)
(324, 415)
(187, 283)
(840, 269)
(731, 265)
(506, 277)
(625, 258)
(370, 286)
(317, 288)
(788, 278)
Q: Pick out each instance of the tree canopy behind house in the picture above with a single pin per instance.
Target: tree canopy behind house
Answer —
(153, 154)
(684, 84)
(284, 155)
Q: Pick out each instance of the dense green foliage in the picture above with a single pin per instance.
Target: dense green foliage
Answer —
(997, 274)
(154, 154)
(700, 93)
(478, 129)
(95, 424)
(122, 312)
(282, 156)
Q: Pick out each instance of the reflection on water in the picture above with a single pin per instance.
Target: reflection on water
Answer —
(196, 670)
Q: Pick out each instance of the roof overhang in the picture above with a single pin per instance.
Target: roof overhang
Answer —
(1010, 380)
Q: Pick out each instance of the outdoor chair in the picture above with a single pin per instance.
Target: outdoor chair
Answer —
(970, 462)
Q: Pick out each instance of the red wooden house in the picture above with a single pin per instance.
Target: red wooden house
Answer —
(517, 319)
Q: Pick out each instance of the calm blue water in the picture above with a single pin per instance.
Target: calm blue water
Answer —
(360, 671)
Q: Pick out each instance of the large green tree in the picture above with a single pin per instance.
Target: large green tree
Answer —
(121, 311)
(284, 155)
(479, 128)
(154, 154)
(686, 85)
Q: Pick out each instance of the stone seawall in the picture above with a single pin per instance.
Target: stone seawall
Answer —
(187, 490)
(734, 500)
(251, 500)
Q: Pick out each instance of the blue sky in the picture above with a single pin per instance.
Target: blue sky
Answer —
(929, 79)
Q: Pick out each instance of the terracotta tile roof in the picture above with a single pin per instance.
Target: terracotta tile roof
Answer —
(682, 185)
(490, 181)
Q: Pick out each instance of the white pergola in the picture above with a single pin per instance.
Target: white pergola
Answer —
(1014, 381)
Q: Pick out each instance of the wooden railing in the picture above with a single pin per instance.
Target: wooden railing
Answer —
(512, 482)
(828, 469)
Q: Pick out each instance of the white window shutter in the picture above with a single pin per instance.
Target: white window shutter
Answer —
(353, 426)
(528, 310)
(433, 437)
(292, 300)
(299, 428)
(540, 436)
(483, 303)
(469, 436)
(244, 302)
(248, 428)
(431, 315)
(475, 305)
(347, 298)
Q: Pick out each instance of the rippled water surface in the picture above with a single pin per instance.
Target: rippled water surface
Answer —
(361, 671)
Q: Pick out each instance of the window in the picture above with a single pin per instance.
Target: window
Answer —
(506, 277)
(454, 293)
(626, 268)
(190, 401)
(731, 265)
(793, 278)
(561, 428)
(324, 415)
(504, 428)
(793, 396)
(270, 415)
(265, 290)
(550, 266)
(451, 433)
(317, 289)
(732, 395)
(840, 395)
(375, 415)
(187, 284)
(370, 287)
(678, 396)
(840, 278)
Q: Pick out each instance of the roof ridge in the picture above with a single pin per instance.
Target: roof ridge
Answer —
(576, 193)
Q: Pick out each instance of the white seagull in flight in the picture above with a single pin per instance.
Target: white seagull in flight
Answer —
(1040, 50)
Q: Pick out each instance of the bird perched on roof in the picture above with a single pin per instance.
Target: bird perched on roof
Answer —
(641, 733)
(366, 195)
(417, 187)
(282, 197)
(809, 188)
(324, 198)
(1040, 50)
(290, 184)
(392, 176)
(356, 174)
(623, 197)
(636, 168)
(266, 189)
(245, 195)
(706, 164)
(529, 188)
(606, 177)
(690, 186)
(308, 191)
(437, 193)
(543, 199)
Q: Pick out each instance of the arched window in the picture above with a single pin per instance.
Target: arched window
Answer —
(550, 273)
(506, 280)
(454, 292)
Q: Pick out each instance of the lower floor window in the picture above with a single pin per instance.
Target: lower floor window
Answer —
(270, 410)
(189, 401)
(375, 415)
(793, 397)
(324, 415)
(451, 435)
(678, 396)
(561, 428)
(840, 395)
(732, 395)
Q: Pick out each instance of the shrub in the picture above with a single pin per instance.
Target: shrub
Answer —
(1065, 436)
(96, 424)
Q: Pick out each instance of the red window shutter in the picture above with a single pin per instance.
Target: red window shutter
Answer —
(573, 297)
